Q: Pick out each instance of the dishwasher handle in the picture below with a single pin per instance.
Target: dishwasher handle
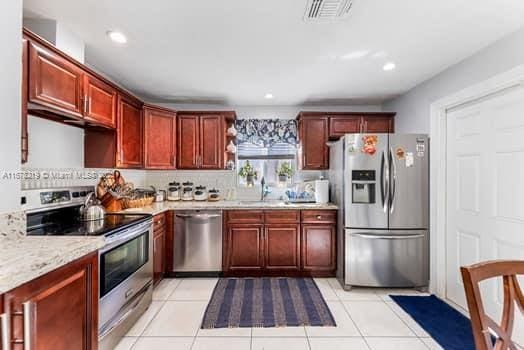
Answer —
(197, 216)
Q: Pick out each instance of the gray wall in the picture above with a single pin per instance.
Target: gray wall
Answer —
(413, 108)
(10, 100)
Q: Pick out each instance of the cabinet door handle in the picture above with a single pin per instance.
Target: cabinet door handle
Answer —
(28, 320)
(6, 332)
(86, 101)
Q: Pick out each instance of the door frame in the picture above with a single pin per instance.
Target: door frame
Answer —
(438, 161)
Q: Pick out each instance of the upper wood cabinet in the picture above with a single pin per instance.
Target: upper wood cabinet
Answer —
(316, 128)
(54, 82)
(160, 138)
(130, 133)
(100, 101)
(188, 145)
(338, 126)
(201, 139)
(212, 133)
(59, 309)
(313, 136)
(379, 124)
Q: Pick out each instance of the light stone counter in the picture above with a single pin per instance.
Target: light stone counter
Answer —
(157, 208)
(23, 259)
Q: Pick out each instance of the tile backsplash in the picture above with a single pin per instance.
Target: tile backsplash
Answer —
(223, 180)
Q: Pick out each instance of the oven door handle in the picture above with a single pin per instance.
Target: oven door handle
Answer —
(140, 296)
(120, 238)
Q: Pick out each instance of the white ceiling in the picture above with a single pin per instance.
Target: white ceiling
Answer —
(236, 51)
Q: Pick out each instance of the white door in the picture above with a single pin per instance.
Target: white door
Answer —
(485, 193)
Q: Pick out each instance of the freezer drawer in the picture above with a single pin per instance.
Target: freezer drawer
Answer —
(387, 258)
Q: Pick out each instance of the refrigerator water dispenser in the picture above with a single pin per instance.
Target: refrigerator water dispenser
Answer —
(363, 185)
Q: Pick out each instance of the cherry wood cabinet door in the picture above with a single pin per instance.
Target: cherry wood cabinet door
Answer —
(244, 250)
(318, 248)
(60, 309)
(338, 126)
(25, 66)
(158, 255)
(378, 124)
(160, 139)
(54, 82)
(282, 247)
(313, 143)
(211, 142)
(100, 101)
(130, 133)
(188, 135)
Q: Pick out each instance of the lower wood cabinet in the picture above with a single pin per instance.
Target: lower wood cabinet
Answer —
(282, 247)
(318, 247)
(159, 247)
(59, 309)
(244, 248)
(280, 243)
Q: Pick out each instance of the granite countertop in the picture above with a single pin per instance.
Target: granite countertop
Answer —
(157, 208)
(26, 258)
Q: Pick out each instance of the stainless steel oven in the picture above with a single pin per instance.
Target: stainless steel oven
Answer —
(126, 281)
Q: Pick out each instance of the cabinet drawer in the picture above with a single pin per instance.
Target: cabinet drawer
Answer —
(319, 216)
(245, 216)
(281, 216)
(159, 221)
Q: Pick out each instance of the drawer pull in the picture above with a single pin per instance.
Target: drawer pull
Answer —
(319, 217)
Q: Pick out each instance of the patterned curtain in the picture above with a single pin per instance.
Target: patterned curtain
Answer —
(266, 132)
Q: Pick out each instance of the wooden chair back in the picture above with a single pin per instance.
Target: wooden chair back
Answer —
(482, 323)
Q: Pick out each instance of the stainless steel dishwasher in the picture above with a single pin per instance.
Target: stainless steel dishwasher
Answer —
(197, 242)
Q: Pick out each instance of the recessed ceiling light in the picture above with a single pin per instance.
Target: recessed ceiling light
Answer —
(268, 96)
(117, 37)
(389, 66)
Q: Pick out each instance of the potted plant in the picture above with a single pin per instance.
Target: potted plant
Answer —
(249, 173)
(285, 172)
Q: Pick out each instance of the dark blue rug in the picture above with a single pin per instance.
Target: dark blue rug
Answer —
(450, 328)
(266, 302)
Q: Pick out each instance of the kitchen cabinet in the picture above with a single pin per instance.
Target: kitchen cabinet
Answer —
(280, 242)
(201, 139)
(317, 128)
(378, 124)
(318, 241)
(160, 138)
(339, 126)
(282, 247)
(130, 129)
(159, 247)
(313, 136)
(188, 135)
(212, 147)
(100, 101)
(244, 252)
(54, 82)
(59, 309)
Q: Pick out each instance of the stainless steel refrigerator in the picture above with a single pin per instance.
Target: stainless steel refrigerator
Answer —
(381, 185)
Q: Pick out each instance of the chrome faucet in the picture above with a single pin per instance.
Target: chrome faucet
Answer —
(264, 189)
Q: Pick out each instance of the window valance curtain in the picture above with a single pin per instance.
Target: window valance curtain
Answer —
(267, 132)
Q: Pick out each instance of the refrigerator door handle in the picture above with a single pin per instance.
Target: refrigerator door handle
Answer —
(384, 181)
(393, 185)
(374, 236)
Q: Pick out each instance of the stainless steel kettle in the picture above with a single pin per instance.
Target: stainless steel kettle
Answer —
(92, 209)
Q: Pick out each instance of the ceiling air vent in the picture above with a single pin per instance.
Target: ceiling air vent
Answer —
(327, 10)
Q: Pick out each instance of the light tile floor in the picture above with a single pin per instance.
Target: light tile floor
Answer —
(367, 319)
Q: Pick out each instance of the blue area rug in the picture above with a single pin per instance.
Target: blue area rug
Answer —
(447, 326)
(266, 302)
